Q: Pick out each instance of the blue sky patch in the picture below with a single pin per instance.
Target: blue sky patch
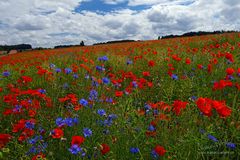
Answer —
(99, 6)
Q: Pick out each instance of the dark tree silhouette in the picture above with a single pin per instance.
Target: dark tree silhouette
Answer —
(82, 43)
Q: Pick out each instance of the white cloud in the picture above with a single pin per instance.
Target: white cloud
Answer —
(154, 2)
(114, 2)
(49, 23)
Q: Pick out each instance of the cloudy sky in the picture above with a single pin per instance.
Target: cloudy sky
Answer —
(48, 23)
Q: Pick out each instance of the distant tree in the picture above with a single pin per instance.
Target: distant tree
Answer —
(82, 43)
(159, 37)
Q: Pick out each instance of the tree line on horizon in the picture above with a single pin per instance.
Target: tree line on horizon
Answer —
(199, 33)
(18, 47)
(22, 47)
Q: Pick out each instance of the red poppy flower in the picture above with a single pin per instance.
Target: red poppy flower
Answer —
(151, 63)
(57, 133)
(146, 74)
(221, 108)
(32, 113)
(38, 156)
(178, 106)
(4, 139)
(118, 93)
(160, 150)
(77, 140)
(229, 56)
(204, 105)
(19, 126)
(104, 148)
(209, 68)
(230, 71)
(188, 61)
(224, 112)
(150, 84)
(26, 79)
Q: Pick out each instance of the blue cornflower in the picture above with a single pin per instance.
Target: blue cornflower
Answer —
(151, 128)
(39, 138)
(75, 120)
(75, 76)
(112, 116)
(231, 145)
(6, 73)
(103, 58)
(211, 137)
(69, 122)
(58, 70)
(154, 154)
(17, 108)
(75, 149)
(230, 77)
(107, 122)
(68, 70)
(155, 111)
(109, 100)
(93, 95)
(52, 65)
(147, 108)
(29, 125)
(83, 102)
(42, 91)
(30, 101)
(106, 80)
(33, 149)
(134, 83)
(83, 154)
(95, 84)
(193, 98)
(87, 132)
(60, 122)
(100, 68)
(41, 130)
(174, 77)
(129, 62)
(134, 150)
(101, 112)
(33, 140)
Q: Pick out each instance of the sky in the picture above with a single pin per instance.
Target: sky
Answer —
(47, 23)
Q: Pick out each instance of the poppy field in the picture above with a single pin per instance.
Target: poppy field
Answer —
(162, 99)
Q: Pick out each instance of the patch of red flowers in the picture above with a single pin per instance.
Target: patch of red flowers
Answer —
(119, 93)
(78, 140)
(4, 139)
(160, 150)
(57, 133)
(206, 105)
(178, 106)
(104, 148)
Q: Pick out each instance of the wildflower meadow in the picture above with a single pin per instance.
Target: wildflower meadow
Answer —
(162, 99)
